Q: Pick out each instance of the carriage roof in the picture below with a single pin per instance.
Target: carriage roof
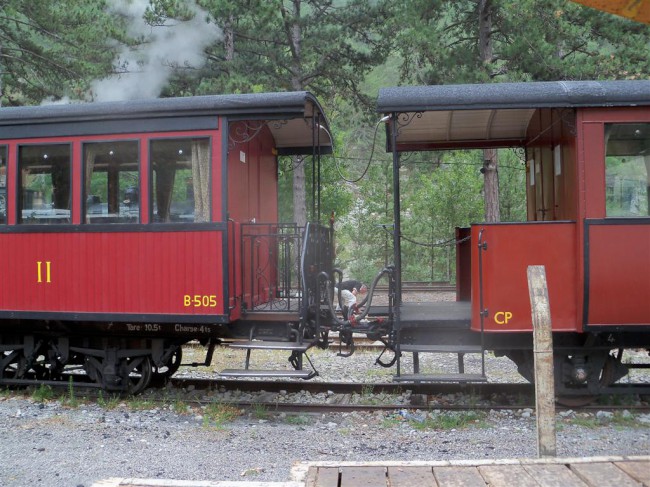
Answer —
(292, 111)
(492, 115)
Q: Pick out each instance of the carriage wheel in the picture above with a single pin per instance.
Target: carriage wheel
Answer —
(140, 372)
(12, 365)
(46, 366)
(604, 378)
(170, 367)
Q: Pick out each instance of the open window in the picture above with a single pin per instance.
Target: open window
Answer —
(180, 180)
(111, 182)
(627, 162)
(44, 182)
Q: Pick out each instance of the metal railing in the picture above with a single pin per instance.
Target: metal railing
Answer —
(271, 256)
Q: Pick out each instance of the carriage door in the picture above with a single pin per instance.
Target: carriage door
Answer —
(617, 247)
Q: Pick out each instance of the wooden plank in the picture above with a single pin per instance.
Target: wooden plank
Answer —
(311, 477)
(553, 475)
(458, 477)
(543, 363)
(325, 477)
(363, 477)
(638, 470)
(411, 477)
(603, 474)
(506, 476)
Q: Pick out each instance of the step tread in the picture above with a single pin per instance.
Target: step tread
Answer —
(269, 345)
(440, 378)
(406, 347)
(297, 374)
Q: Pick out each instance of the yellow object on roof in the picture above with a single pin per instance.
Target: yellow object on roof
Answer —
(638, 10)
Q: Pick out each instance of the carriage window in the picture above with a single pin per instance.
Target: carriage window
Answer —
(181, 180)
(627, 169)
(3, 184)
(111, 182)
(44, 180)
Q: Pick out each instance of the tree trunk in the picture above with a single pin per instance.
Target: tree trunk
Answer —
(293, 32)
(229, 38)
(299, 193)
(491, 185)
(490, 156)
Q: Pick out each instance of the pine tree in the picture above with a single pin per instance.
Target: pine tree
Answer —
(53, 49)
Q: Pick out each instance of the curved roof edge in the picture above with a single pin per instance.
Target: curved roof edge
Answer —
(540, 94)
(244, 104)
(290, 106)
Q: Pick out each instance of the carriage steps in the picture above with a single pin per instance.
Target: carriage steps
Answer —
(461, 376)
(293, 347)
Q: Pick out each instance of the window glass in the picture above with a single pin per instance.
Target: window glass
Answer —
(627, 169)
(3, 184)
(180, 180)
(111, 182)
(44, 182)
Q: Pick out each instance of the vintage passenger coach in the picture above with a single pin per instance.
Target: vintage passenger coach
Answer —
(125, 220)
(587, 150)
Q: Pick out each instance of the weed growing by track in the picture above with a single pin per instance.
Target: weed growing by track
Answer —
(438, 420)
(216, 415)
(43, 394)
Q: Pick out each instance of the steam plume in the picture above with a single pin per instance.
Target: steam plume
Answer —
(146, 69)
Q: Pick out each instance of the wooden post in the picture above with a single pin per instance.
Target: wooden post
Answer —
(543, 353)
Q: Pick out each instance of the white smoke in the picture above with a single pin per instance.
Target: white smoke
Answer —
(145, 70)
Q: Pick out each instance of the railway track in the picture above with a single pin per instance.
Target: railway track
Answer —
(479, 389)
(342, 397)
(346, 396)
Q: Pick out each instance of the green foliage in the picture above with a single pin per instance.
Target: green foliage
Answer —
(43, 393)
(217, 415)
(450, 420)
(434, 207)
(530, 40)
(110, 403)
(446, 420)
(297, 420)
(53, 49)
(512, 186)
(71, 399)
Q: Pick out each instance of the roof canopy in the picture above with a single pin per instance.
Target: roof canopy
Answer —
(294, 114)
(491, 115)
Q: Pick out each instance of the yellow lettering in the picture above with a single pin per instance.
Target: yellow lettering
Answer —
(39, 271)
(200, 300)
(502, 317)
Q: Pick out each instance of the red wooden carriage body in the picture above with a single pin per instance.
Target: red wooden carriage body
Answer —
(129, 228)
(587, 152)
(106, 266)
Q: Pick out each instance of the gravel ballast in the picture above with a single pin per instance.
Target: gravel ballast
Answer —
(53, 443)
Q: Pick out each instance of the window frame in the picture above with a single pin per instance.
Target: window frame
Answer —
(151, 181)
(83, 196)
(607, 168)
(19, 200)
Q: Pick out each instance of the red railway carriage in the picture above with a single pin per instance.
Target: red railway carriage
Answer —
(121, 226)
(587, 153)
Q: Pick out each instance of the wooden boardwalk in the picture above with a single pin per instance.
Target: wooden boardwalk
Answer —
(548, 472)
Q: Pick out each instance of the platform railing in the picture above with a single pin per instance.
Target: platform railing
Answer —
(271, 256)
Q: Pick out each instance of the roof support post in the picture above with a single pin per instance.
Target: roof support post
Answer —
(397, 248)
